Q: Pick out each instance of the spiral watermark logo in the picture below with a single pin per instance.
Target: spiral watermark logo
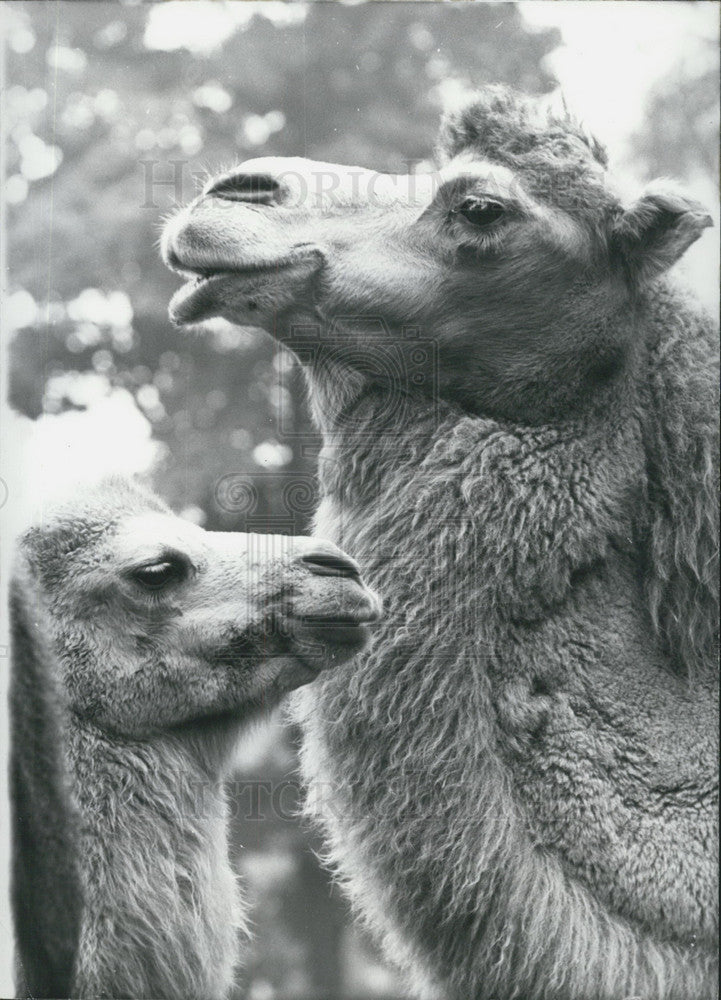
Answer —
(300, 495)
(245, 495)
(353, 353)
(237, 493)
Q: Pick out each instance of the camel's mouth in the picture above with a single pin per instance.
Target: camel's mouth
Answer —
(197, 299)
(325, 645)
(346, 632)
(226, 291)
(322, 641)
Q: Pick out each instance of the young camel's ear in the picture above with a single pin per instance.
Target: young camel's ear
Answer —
(657, 230)
(43, 549)
(48, 548)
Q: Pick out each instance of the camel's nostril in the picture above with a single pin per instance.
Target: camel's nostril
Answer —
(257, 188)
(331, 564)
(172, 260)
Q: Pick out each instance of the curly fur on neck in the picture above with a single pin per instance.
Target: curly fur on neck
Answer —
(516, 784)
(681, 437)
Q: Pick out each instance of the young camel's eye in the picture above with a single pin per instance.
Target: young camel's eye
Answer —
(156, 576)
(481, 212)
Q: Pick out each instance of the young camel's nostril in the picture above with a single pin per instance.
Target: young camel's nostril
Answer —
(331, 564)
(172, 260)
(256, 188)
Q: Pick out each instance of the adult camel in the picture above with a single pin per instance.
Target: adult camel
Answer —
(519, 411)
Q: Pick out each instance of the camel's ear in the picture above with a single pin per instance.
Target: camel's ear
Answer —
(47, 548)
(43, 545)
(657, 230)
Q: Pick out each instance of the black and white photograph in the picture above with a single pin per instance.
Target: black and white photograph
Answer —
(359, 499)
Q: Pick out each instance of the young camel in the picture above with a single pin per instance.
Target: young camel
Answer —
(141, 646)
(519, 412)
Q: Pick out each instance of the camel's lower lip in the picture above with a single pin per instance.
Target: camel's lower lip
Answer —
(192, 302)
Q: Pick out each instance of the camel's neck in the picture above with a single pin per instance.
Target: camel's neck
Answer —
(523, 509)
(502, 554)
(160, 906)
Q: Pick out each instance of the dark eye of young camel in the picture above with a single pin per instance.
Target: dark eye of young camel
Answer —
(481, 212)
(156, 576)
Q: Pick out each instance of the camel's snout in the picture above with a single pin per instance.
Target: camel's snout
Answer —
(336, 581)
(333, 607)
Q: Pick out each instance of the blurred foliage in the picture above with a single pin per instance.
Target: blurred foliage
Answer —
(681, 121)
(105, 137)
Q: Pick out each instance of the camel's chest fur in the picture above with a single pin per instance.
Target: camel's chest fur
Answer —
(516, 665)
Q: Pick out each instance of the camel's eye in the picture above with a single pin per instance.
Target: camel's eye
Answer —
(482, 212)
(155, 576)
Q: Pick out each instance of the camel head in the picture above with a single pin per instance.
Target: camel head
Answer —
(157, 623)
(515, 263)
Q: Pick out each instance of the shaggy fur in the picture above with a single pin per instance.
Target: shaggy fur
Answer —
(561, 162)
(517, 788)
(126, 705)
(518, 781)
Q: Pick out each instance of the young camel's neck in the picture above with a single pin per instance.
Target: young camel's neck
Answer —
(161, 913)
(121, 881)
